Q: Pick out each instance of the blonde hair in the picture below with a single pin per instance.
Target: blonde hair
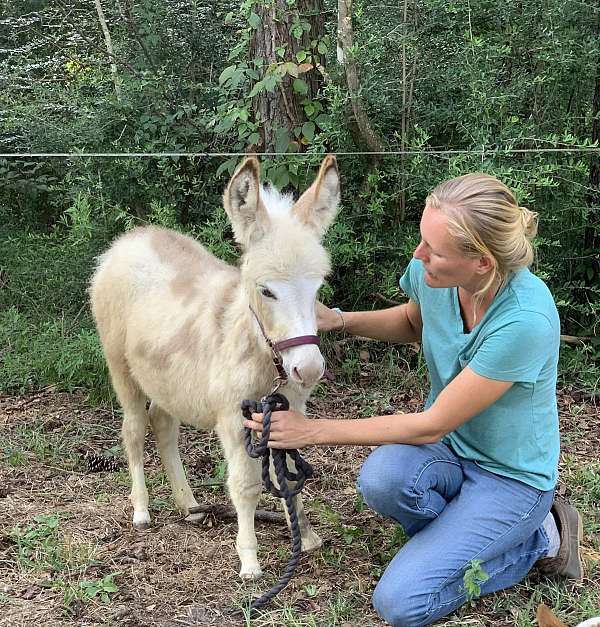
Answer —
(485, 219)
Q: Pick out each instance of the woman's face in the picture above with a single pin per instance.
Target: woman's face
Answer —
(445, 264)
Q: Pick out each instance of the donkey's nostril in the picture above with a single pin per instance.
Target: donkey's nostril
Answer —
(297, 375)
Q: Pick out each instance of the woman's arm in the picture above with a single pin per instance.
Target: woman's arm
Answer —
(464, 397)
(401, 324)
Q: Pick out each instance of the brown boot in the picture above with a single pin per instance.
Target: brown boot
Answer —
(568, 562)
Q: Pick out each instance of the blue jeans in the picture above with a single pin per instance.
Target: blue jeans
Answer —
(454, 512)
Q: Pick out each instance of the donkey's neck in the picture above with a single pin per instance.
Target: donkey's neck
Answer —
(243, 336)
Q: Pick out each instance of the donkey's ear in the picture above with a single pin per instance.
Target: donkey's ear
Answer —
(318, 205)
(243, 205)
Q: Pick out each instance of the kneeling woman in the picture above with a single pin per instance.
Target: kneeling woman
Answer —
(472, 476)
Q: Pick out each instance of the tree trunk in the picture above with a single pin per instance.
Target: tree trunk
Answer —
(281, 110)
(109, 48)
(345, 41)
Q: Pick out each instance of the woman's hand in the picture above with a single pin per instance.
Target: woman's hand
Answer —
(289, 429)
(328, 319)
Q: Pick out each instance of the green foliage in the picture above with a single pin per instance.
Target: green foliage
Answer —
(477, 77)
(37, 546)
(297, 53)
(49, 353)
(473, 578)
(102, 589)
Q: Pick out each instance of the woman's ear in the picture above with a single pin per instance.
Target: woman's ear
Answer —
(485, 264)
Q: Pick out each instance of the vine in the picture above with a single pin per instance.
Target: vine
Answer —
(244, 79)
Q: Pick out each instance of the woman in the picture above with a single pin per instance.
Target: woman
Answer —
(472, 476)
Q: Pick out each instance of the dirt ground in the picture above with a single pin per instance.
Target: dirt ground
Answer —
(177, 573)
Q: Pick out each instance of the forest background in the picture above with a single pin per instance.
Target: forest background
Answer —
(444, 88)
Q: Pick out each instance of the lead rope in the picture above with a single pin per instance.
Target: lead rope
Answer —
(269, 404)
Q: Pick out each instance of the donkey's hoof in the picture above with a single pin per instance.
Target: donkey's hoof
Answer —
(250, 568)
(141, 520)
(250, 574)
(311, 542)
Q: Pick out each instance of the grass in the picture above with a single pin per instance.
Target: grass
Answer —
(84, 534)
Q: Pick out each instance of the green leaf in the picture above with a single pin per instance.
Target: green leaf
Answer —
(300, 86)
(309, 109)
(301, 55)
(322, 121)
(227, 73)
(308, 130)
(290, 68)
(254, 20)
(237, 77)
(258, 87)
(253, 138)
(322, 47)
(228, 165)
(279, 177)
(229, 17)
(270, 81)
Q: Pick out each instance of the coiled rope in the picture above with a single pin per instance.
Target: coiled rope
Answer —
(269, 404)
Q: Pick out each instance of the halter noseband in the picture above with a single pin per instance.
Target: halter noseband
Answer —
(276, 348)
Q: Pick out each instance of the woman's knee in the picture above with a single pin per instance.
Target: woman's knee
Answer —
(400, 605)
(392, 469)
(382, 475)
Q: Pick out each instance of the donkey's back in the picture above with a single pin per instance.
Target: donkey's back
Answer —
(154, 262)
(161, 302)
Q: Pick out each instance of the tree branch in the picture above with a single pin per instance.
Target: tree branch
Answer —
(109, 48)
(345, 42)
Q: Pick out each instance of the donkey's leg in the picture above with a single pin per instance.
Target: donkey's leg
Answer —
(244, 485)
(166, 430)
(133, 432)
(310, 540)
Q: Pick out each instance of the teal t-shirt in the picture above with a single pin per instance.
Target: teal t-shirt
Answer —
(517, 340)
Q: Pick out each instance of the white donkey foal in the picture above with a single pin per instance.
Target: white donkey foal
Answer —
(177, 328)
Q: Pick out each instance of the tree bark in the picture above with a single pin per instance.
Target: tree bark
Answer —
(282, 108)
(345, 41)
(109, 48)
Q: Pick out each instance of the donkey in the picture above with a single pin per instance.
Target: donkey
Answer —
(183, 329)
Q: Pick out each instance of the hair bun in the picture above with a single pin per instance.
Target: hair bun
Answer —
(529, 220)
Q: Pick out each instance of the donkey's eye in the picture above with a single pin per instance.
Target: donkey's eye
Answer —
(267, 293)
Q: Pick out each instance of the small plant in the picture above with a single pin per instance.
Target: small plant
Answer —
(359, 504)
(311, 590)
(351, 533)
(15, 457)
(102, 589)
(218, 475)
(37, 545)
(473, 578)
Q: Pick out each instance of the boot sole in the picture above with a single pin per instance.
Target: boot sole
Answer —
(574, 567)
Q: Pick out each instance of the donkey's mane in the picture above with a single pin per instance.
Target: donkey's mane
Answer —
(275, 202)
